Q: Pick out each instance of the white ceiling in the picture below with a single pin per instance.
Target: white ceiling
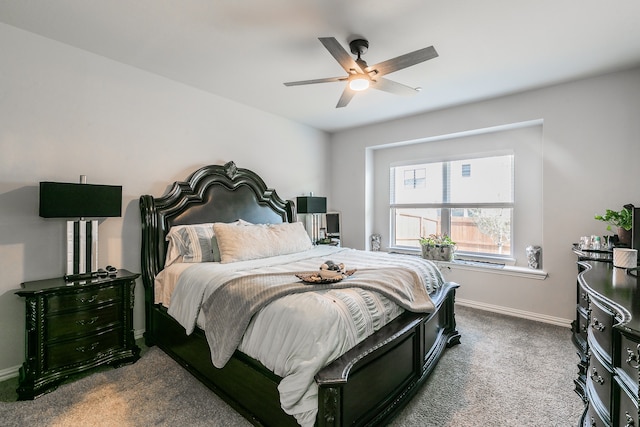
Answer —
(244, 50)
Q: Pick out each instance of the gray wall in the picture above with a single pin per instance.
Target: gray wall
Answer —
(65, 112)
(591, 150)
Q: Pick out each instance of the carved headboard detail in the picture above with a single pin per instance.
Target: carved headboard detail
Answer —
(210, 194)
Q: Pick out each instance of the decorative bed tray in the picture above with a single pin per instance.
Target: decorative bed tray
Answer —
(320, 279)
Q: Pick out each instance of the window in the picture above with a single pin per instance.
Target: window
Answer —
(471, 200)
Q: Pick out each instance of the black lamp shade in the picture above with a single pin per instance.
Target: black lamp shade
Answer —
(67, 200)
(311, 205)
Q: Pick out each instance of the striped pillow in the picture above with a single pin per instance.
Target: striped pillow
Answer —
(190, 243)
(197, 243)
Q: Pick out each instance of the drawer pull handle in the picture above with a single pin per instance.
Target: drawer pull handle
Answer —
(595, 377)
(84, 349)
(632, 357)
(584, 296)
(87, 300)
(597, 325)
(584, 328)
(593, 422)
(87, 322)
(630, 422)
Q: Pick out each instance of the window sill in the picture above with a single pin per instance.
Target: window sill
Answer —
(508, 270)
(494, 266)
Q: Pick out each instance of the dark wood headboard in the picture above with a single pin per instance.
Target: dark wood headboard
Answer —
(211, 194)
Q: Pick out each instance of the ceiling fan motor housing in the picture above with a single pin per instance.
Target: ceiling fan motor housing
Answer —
(359, 46)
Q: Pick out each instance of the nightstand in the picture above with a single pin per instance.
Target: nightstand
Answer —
(72, 327)
(328, 241)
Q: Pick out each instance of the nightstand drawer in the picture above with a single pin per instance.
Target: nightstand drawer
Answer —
(627, 408)
(88, 297)
(583, 299)
(599, 379)
(592, 419)
(83, 349)
(600, 325)
(582, 324)
(83, 322)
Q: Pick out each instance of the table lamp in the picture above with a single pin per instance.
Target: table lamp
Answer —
(312, 206)
(80, 201)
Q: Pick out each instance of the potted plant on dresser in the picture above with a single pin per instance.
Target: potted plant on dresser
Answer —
(622, 220)
(438, 247)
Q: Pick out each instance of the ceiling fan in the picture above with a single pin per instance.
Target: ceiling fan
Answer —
(361, 76)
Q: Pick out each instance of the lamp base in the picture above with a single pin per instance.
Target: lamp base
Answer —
(82, 246)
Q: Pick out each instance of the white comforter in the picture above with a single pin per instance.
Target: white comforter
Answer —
(297, 335)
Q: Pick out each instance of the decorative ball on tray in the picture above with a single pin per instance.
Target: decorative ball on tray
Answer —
(329, 272)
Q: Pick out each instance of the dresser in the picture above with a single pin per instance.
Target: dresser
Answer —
(606, 332)
(72, 327)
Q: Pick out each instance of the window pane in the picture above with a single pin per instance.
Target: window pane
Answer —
(483, 231)
(411, 224)
(477, 230)
(491, 181)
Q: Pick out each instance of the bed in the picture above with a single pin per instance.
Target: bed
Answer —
(366, 385)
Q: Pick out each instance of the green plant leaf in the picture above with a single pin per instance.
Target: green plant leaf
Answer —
(621, 219)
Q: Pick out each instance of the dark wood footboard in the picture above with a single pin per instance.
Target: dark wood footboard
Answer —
(368, 385)
(373, 381)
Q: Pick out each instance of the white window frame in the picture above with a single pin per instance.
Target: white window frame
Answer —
(447, 207)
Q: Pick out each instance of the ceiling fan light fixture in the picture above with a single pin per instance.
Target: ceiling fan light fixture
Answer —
(359, 83)
(361, 76)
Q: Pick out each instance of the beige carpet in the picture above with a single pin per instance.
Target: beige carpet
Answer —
(506, 372)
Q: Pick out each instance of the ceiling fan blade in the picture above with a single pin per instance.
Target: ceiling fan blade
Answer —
(403, 61)
(392, 87)
(309, 82)
(346, 97)
(340, 54)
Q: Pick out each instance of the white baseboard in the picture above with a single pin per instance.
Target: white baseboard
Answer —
(558, 321)
(8, 373)
(137, 334)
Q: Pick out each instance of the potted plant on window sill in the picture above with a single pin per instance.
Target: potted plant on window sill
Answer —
(622, 220)
(438, 247)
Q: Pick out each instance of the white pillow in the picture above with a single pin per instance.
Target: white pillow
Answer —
(260, 241)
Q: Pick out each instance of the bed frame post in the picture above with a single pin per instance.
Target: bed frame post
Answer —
(453, 336)
(328, 412)
(151, 264)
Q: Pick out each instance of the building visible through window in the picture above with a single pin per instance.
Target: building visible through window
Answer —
(415, 178)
